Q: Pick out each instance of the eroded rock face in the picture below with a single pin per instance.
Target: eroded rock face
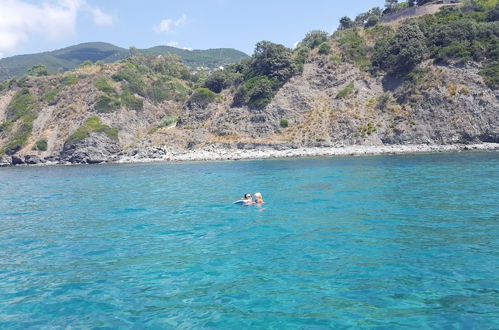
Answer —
(32, 160)
(5, 161)
(96, 148)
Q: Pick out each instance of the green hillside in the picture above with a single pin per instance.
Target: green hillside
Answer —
(71, 57)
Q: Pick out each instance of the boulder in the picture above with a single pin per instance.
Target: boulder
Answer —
(96, 148)
(16, 160)
(32, 160)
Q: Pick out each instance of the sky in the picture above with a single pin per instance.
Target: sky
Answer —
(31, 26)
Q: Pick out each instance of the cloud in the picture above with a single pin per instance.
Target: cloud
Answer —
(176, 45)
(100, 18)
(21, 20)
(167, 25)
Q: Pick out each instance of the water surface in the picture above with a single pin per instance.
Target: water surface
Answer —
(379, 241)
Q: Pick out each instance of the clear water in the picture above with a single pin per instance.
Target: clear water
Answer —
(385, 241)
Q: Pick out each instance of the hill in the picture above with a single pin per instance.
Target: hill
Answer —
(432, 80)
(71, 57)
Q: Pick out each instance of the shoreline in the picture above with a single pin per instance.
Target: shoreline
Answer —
(213, 153)
(217, 154)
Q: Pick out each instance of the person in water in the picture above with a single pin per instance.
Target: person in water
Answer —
(258, 199)
(247, 200)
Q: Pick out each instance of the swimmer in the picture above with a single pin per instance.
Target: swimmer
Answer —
(247, 200)
(258, 199)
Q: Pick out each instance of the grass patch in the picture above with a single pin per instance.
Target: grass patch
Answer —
(69, 79)
(103, 85)
(345, 92)
(284, 123)
(93, 124)
(50, 95)
(22, 104)
(131, 101)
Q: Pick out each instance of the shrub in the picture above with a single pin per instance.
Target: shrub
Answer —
(353, 47)
(107, 104)
(301, 54)
(256, 92)
(201, 97)
(346, 91)
(284, 123)
(165, 90)
(168, 120)
(491, 75)
(51, 94)
(131, 101)
(372, 21)
(19, 139)
(21, 105)
(103, 85)
(93, 124)
(38, 70)
(134, 83)
(41, 145)
(402, 52)
(220, 80)
(324, 48)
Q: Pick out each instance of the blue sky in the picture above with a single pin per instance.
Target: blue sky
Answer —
(28, 26)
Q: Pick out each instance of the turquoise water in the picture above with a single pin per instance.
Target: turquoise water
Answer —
(384, 241)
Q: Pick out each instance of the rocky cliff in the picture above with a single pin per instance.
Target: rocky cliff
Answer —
(144, 107)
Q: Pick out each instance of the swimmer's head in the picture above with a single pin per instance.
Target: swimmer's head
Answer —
(247, 196)
(258, 195)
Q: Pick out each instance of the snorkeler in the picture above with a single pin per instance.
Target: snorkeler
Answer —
(247, 200)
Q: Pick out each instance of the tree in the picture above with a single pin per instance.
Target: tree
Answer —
(314, 38)
(345, 23)
(132, 50)
(274, 61)
(390, 3)
(422, 2)
(402, 52)
(372, 21)
(38, 70)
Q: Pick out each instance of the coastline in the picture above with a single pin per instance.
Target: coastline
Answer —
(222, 154)
(214, 153)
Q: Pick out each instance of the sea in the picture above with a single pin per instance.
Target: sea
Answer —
(399, 241)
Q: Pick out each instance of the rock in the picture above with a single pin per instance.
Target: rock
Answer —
(5, 161)
(96, 148)
(32, 160)
(16, 160)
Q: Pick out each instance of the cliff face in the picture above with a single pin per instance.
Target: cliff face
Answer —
(337, 104)
(329, 104)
